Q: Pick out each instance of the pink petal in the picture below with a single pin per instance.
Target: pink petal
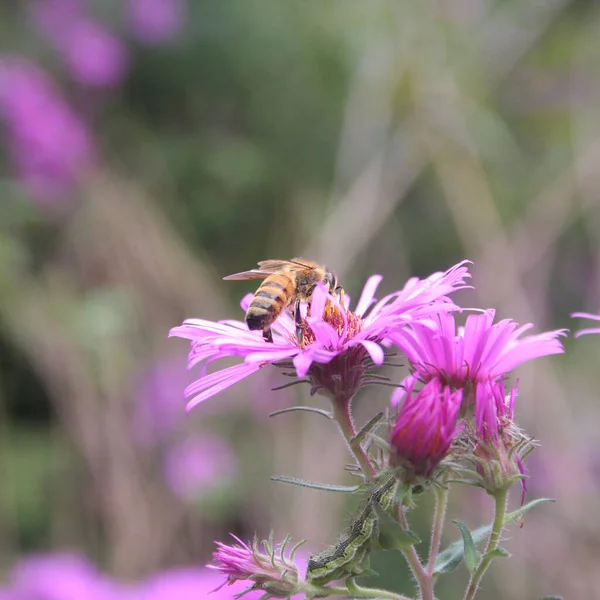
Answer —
(270, 356)
(236, 373)
(302, 363)
(583, 315)
(586, 332)
(374, 350)
(367, 297)
(319, 299)
(324, 333)
(245, 303)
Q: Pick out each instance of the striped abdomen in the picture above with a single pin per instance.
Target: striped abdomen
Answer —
(272, 297)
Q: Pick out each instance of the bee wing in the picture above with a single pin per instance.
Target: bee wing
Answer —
(278, 265)
(253, 274)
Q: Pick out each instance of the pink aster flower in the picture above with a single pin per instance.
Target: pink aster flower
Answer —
(425, 428)
(338, 347)
(478, 352)
(266, 568)
(582, 315)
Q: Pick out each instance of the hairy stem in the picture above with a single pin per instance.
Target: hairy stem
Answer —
(501, 499)
(424, 581)
(356, 591)
(342, 414)
(439, 517)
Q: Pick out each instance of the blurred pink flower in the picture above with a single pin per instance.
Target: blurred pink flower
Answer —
(156, 21)
(478, 352)
(425, 428)
(93, 55)
(69, 577)
(60, 576)
(49, 144)
(189, 584)
(198, 465)
(581, 315)
(157, 412)
(332, 331)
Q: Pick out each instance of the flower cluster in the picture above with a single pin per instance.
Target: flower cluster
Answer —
(450, 411)
(472, 360)
(460, 369)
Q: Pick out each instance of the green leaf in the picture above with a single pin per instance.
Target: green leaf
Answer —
(470, 552)
(498, 553)
(452, 556)
(316, 485)
(392, 536)
(552, 598)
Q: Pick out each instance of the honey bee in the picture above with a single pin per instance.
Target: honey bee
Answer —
(286, 283)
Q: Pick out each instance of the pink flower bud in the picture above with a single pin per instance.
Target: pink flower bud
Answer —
(425, 428)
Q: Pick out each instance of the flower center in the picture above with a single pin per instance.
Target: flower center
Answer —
(346, 328)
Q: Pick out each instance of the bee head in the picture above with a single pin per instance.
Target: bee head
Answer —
(331, 281)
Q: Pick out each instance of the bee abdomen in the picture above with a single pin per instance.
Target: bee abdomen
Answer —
(257, 318)
(268, 303)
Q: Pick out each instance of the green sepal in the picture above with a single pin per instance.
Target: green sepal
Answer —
(452, 556)
(392, 536)
(498, 553)
(315, 484)
(471, 554)
(552, 598)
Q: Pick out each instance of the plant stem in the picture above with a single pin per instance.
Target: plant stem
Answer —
(356, 592)
(424, 581)
(439, 517)
(501, 499)
(342, 413)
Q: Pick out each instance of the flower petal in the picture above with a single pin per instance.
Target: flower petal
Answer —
(227, 377)
(375, 351)
(367, 297)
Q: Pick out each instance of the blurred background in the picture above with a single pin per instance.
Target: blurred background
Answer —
(150, 147)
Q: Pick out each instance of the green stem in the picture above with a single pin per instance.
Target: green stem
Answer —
(342, 413)
(501, 499)
(355, 590)
(439, 517)
(424, 581)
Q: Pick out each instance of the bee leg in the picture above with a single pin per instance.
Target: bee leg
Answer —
(267, 335)
(298, 320)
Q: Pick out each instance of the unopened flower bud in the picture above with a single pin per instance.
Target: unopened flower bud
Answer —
(499, 441)
(425, 428)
